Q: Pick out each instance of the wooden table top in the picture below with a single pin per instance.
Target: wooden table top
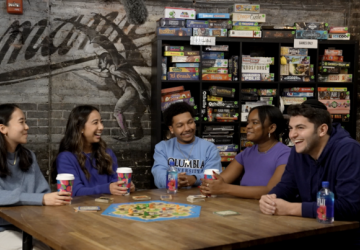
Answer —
(61, 228)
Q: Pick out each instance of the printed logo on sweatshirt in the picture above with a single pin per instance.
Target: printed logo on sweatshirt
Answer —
(192, 167)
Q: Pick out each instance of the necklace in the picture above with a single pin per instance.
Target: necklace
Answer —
(187, 161)
(268, 149)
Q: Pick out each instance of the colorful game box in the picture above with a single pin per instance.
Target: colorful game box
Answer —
(245, 33)
(213, 16)
(278, 33)
(255, 68)
(215, 70)
(185, 13)
(245, 8)
(311, 26)
(174, 31)
(172, 22)
(260, 60)
(209, 63)
(335, 78)
(209, 32)
(299, 94)
(333, 52)
(245, 24)
(251, 77)
(197, 23)
(332, 58)
(147, 211)
(336, 64)
(175, 69)
(227, 147)
(256, 28)
(185, 59)
(217, 48)
(216, 77)
(181, 53)
(312, 34)
(295, 59)
(339, 30)
(339, 36)
(242, 17)
(183, 76)
(175, 96)
(289, 51)
(212, 55)
(297, 78)
(220, 24)
(293, 100)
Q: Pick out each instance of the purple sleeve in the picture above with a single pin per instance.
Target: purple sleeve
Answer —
(283, 156)
(113, 177)
(67, 163)
(239, 158)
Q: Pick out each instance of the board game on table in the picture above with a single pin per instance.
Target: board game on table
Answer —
(147, 211)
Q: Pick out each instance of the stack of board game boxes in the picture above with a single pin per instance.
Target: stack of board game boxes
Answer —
(217, 108)
(215, 67)
(333, 68)
(253, 97)
(245, 20)
(185, 62)
(295, 65)
(175, 94)
(296, 95)
(337, 101)
(227, 151)
(219, 134)
(311, 30)
(339, 33)
(256, 68)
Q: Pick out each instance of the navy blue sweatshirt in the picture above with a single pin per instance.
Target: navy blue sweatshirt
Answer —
(339, 164)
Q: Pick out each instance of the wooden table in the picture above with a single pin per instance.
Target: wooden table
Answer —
(61, 228)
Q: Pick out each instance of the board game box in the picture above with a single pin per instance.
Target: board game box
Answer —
(297, 78)
(181, 53)
(216, 70)
(174, 31)
(255, 68)
(185, 59)
(339, 36)
(197, 23)
(172, 22)
(185, 13)
(243, 17)
(335, 78)
(262, 77)
(278, 34)
(148, 211)
(311, 26)
(183, 76)
(220, 24)
(244, 33)
(212, 55)
(245, 23)
(213, 16)
(289, 51)
(175, 69)
(209, 32)
(339, 30)
(260, 60)
(209, 63)
(245, 8)
(336, 64)
(216, 77)
(295, 59)
(256, 28)
(217, 48)
(312, 34)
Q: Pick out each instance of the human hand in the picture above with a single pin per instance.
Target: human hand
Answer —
(115, 189)
(132, 187)
(215, 186)
(185, 180)
(267, 203)
(56, 199)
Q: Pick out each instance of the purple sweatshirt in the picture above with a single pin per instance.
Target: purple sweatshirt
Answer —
(67, 163)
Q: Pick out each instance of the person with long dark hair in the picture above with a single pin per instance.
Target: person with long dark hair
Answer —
(21, 182)
(261, 165)
(84, 154)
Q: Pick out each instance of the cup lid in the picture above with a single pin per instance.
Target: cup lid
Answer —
(65, 177)
(124, 170)
(210, 171)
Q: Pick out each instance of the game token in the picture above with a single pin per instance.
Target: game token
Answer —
(104, 199)
(226, 213)
(165, 197)
(87, 209)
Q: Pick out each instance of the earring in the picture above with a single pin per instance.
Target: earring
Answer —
(82, 132)
(269, 135)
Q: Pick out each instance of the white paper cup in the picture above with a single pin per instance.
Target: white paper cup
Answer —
(124, 174)
(65, 183)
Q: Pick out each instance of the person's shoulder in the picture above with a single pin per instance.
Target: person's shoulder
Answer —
(109, 151)
(65, 155)
(165, 143)
(281, 147)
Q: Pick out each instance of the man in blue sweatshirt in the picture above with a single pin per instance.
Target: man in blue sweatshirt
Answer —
(190, 154)
(322, 152)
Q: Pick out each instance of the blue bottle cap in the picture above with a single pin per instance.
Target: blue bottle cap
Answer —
(325, 184)
(172, 163)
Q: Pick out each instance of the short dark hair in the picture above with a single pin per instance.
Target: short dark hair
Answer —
(177, 109)
(317, 116)
(274, 115)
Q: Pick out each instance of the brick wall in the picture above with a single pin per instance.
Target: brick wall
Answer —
(44, 71)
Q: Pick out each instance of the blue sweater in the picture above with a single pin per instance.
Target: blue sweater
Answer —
(22, 188)
(204, 155)
(339, 164)
(67, 162)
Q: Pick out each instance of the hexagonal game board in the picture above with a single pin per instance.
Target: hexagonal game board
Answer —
(147, 211)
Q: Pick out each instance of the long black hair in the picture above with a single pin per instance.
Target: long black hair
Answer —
(274, 115)
(73, 143)
(25, 157)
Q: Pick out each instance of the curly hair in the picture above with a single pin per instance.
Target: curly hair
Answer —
(176, 109)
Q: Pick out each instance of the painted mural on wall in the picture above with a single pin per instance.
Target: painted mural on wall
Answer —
(100, 50)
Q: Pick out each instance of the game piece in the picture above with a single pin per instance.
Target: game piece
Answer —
(87, 209)
(226, 213)
(161, 210)
(165, 197)
(104, 199)
(141, 198)
(196, 198)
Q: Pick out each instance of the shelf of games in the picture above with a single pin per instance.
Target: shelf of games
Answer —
(223, 94)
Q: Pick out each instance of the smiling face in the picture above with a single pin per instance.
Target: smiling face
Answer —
(93, 128)
(254, 128)
(183, 127)
(303, 134)
(16, 131)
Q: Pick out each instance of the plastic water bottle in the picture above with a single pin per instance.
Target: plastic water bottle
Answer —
(325, 204)
(172, 179)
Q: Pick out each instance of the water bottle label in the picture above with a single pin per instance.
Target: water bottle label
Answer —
(172, 181)
(321, 211)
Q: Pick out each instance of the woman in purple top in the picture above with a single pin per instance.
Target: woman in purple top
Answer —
(262, 164)
(83, 153)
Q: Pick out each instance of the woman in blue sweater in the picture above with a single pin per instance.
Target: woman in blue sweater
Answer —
(83, 153)
(21, 182)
